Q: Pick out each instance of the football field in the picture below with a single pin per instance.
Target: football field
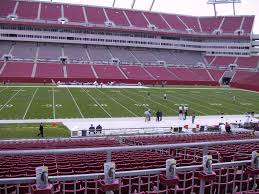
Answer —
(23, 102)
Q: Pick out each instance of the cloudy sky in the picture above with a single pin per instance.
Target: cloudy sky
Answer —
(188, 7)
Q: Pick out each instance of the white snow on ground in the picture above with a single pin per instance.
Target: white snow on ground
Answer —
(136, 125)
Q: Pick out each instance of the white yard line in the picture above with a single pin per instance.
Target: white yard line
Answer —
(119, 104)
(10, 99)
(3, 89)
(76, 103)
(53, 103)
(30, 103)
(97, 103)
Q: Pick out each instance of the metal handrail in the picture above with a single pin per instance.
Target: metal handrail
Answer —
(120, 173)
(126, 148)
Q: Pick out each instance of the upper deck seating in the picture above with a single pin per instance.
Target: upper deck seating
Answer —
(231, 24)
(248, 24)
(191, 22)
(157, 20)
(136, 18)
(28, 10)
(6, 7)
(50, 11)
(95, 15)
(174, 22)
(117, 17)
(209, 24)
(74, 13)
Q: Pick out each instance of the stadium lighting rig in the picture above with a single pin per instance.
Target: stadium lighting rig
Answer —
(214, 2)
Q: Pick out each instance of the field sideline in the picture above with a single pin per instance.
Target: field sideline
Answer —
(24, 102)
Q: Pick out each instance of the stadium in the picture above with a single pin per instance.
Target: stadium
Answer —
(101, 99)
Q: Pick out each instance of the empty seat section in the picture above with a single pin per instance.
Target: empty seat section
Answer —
(95, 15)
(74, 13)
(136, 18)
(164, 55)
(6, 7)
(216, 74)
(209, 24)
(108, 72)
(136, 72)
(174, 22)
(231, 24)
(49, 70)
(248, 62)
(50, 11)
(49, 51)
(209, 59)
(27, 10)
(191, 22)
(202, 74)
(5, 48)
(184, 74)
(186, 58)
(24, 50)
(17, 69)
(160, 73)
(248, 24)
(223, 61)
(99, 53)
(75, 52)
(79, 71)
(244, 77)
(157, 20)
(117, 17)
(123, 54)
(144, 56)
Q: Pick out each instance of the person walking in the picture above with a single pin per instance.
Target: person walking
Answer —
(193, 118)
(158, 116)
(41, 133)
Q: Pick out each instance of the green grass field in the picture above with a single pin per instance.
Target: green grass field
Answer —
(26, 131)
(51, 102)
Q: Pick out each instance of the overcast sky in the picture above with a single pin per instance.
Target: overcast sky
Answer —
(187, 7)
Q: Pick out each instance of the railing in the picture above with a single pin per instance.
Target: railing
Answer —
(234, 173)
(148, 178)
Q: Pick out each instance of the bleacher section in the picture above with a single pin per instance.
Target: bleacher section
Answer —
(27, 10)
(24, 51)
(136, 72)
(216, 74)
(246, 80)
(80, 71)
(69, 13)
(49, 52)
(49, 70)
(108, 72)
(139, 19)
(75, 53)
(87, 163)
(17, 70)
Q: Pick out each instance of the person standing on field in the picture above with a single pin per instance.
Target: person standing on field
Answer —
(41, 131)
(193, 118)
